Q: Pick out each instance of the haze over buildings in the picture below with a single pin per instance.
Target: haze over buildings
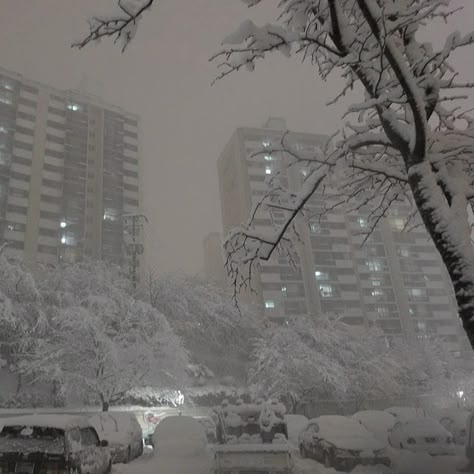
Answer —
(69, 173)
(395, 280)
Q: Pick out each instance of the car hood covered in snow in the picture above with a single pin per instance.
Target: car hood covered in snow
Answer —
(353, 443)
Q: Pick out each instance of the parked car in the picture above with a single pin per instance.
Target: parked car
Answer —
(342, 443)
(295, 425)
(52, 444)
(424, 435)
(406, 413)
(455, 421)
(122, 432)
(210, 428)
(377, 422)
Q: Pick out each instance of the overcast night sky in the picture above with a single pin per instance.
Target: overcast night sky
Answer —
(165, 77)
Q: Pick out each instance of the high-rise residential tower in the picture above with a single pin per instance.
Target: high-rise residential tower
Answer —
(69, 173)
(395, 280)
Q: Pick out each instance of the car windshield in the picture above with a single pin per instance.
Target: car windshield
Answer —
(32, 438)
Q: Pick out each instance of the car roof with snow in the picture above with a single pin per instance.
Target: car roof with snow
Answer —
(375, 419)
(61, 422)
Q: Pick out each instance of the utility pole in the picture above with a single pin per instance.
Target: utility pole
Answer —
(133, 228)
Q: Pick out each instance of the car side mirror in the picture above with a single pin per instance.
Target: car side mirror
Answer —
(104, 443)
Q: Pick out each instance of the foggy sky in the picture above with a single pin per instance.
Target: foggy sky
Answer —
(165, 77)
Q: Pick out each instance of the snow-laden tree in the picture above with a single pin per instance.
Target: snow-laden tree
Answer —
(23, 321)
(216, 334)
(102, 341)
(403, 141)
(328, 361)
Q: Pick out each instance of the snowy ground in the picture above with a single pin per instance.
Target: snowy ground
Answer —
(403, 463)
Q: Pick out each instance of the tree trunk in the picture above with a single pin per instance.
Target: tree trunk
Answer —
(105, 405)
(19, 383)
(451, 237)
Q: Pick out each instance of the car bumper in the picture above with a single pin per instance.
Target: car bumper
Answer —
(434, 450)
(348, 463)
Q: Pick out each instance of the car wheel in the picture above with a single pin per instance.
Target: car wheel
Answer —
(128, 456)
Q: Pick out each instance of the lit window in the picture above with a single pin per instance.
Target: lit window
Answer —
(304, 173)
(326, 291)
(283, 290)
(269, 304)
(417, 292)
(63, 224)
(374, 265)
(68, 240)
(315, 227)
(362, 221)
(7, 85)
(268, 157)
(321, 275)
(266, 143)
(110, 215)
(397, 223)
(382, 311)
(377, 292)
(268, 170)
(404, 252)
(375, 281)
(3, 129)
(74, 107)
(11, 227)
(421, 326)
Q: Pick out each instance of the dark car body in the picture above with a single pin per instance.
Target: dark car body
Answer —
(52, 444)
(342, 443)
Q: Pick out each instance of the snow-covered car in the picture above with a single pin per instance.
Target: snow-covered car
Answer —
(295, 425)
(122, 432)
(377, 422)
(455, 421)
(180, 446)
(424, 435)
(52, 444)
(210, 428)
(342, 443)
(406, 413)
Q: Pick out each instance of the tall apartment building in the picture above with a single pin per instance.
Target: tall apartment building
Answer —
(69, 172)
(395, 280)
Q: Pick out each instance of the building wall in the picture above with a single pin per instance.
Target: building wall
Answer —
(395, 279)
(69, 171)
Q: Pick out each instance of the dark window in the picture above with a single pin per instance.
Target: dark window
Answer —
(89, 437)
(15, 244)
(48, 232)
(132, 174)
(19, 176)
(49, 183)
(54, 110)
(55, 168)
(23, 146)
(127, 146)
(30, 89)
(131, 202)
(130, 187)
(17, 209)
(47, 249)
(54, 124)
(54, 153)
(49, 215)
(54, 139)
(52, 199)
(30, 103)
(21, 160)
(126, 133)
(25, 116)
(24, 130)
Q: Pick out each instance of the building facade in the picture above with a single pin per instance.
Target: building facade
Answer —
(395, 280)
(69, 173)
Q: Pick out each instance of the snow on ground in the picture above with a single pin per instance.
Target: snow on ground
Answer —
(404, 463)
